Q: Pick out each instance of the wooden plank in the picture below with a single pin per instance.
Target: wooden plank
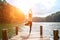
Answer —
(34, 36)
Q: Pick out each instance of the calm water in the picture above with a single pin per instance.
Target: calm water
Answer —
(48, 28)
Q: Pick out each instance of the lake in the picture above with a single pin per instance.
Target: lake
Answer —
(48, 28)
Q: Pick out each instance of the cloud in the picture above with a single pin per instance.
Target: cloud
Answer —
(39, 6)
(48, 3)
(43, 7)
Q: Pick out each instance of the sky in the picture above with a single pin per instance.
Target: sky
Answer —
(40, 8)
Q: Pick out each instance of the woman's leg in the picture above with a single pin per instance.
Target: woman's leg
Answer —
(30, 26)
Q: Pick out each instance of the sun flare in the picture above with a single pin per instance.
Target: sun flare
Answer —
(24, 5)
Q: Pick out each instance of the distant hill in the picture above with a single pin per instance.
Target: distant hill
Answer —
(38, 19)
(55, 17)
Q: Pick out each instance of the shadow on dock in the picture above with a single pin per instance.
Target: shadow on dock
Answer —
(25, 37)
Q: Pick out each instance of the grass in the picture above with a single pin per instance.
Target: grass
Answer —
(9, 27)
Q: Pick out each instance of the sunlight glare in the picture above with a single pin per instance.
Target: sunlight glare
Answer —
(24, 5)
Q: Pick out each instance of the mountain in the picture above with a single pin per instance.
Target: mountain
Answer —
(54, 17)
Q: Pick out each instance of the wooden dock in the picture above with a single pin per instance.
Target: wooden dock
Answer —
(29, 36)
(32, 36)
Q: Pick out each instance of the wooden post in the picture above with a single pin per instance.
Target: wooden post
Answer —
(16, 30)
(41, 31)
(55, 33)
(4, 34)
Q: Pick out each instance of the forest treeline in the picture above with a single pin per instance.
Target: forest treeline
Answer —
(10, 17)
(54, 17)
(10, 14)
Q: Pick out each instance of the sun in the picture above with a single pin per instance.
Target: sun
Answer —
(24, 5)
